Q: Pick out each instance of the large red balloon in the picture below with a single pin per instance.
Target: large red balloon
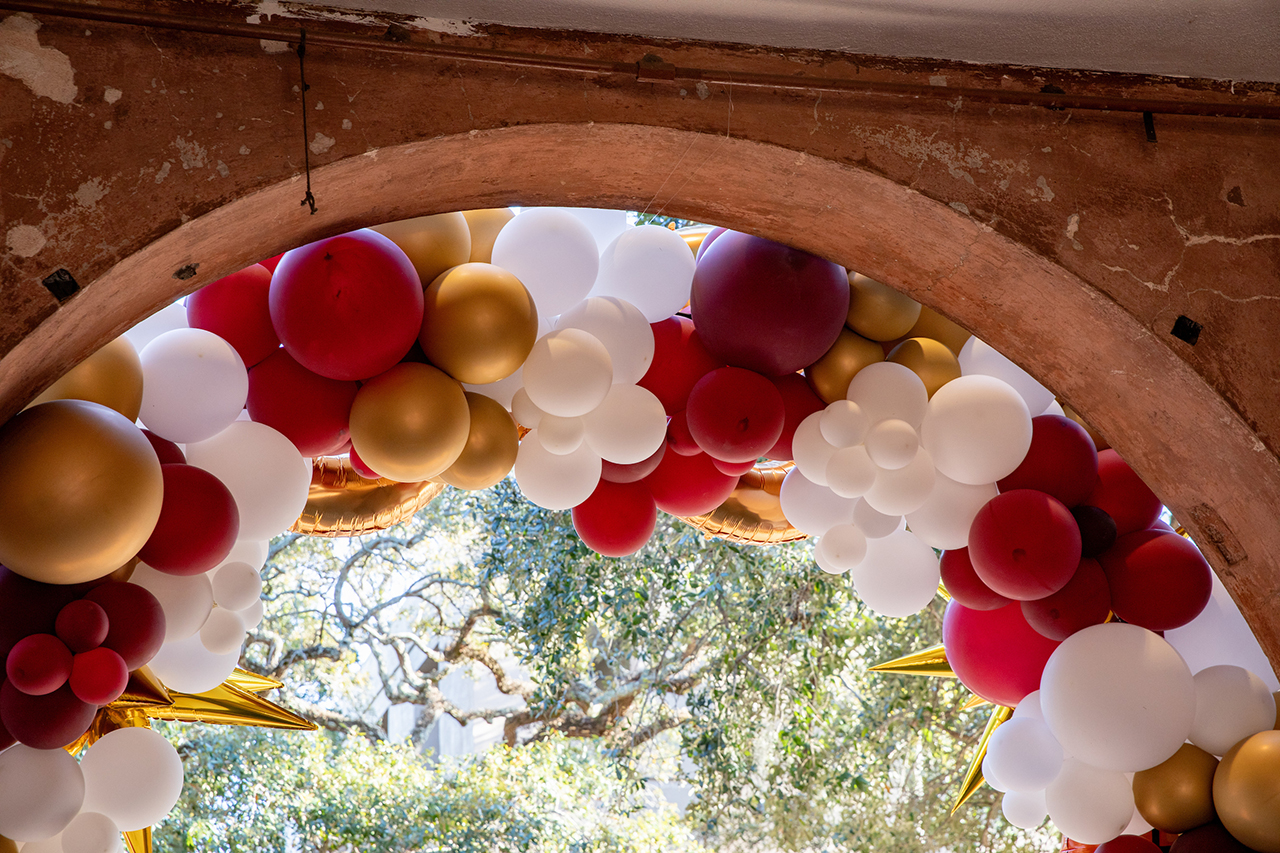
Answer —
(235, 309)
(137, 621)
(964, 585)
(1084, 601)
(1061, 461)
(1123, 495)
(708, 240)
(45, 722)
(199, 522)
(679, 361)
(798, 401)
(1129, 844)
(1158, 579)
(348, 307)
(1024, 544)
(617, 519)
(98, 676)
(995, 653)
(689, 485)
(312, 411)
(38, 664)
(765, 306)
(735, 415)
(615, 473)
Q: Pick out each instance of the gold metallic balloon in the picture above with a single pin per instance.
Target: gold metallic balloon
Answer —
(829, 376)
(485, 225)
(342, 503)
(1246, 791)
(929, 359)
(877, 311)
(112, 376)
(433, 243)
(931, 324)
(1177, 795)
(8, 845)
(82, 491)
(491, 446)
(753, 511)
(694, 235)
(478, 323)
(410, 423)
(1098, 440)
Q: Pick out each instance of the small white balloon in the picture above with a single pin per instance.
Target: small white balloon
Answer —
(165, 320)
(223, 632)
(253, 552)
(504, 389)
(92, 832)
(555, 482)
(905, 490)
(1024, 809)
(41, 791)
(991, 776)
(623, 330)
(236, 585)
(1029, 707)
(133, 776)
(872, 522)
(193, 385)
(525, 411)
(943, 521)
(1231, 704)
(980, 358)
(899, 575)
(977, 429)
(628, 426)
(844, 423)
(251, 616)
(552, 253)
(649, 266)
(1087, 804)
(185, 600)
(889, 390)
(1025, 754)
(561, 436)
(850, 472)
(892, 444)
(1137, 824)
(821, 560)
(188, 667)
(812, 508)
(812, 452)
(604, 225)
(843, 546)
(568, 373)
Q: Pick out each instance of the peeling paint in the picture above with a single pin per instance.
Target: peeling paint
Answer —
(1073, 226)
(960, 206)
(703, 90)
(90, 193)
(321, 143)
(346, 124)
(24, 240)
(938, 80)
(1042, 190)
(164, 171)
(244, 149)
(223, 169)
(46, 71)
(269, 46)
(192, 154)
(111, 95)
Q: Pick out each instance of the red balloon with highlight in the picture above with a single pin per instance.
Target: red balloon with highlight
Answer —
(98, 677)
(198, 525)
(45, 722)
(735, 415)
(1084, 601)
(38, 664)
(1123, 495)
(995, 653)
(1061, 461)
(1024, 544)
(82, 625)
(689, 485)
(310, 410)
(235, 309)
(679, 361)
(617, 519)
(964, 585)
(1158, 579)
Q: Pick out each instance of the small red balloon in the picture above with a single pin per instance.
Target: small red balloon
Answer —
(1158, 579)
(1024, 544)
(308, 409)
(45, 722)
(98, 676)
(617, 519)
(1061, 461)
(708, 240)
(235, 309)
(679, 439)
(615, 473)
(964, 585)
(1129, 844)
(798, 402)
(348, 307)
(1123, 495)
(689, 485)
(1084, 601)
(82, 625)
(357, 464)
(679, 361)
(995, 653)
(137, 621)
(735, 415)
(38, 664)
(1097, 529)
(166, 450)
(198, 525)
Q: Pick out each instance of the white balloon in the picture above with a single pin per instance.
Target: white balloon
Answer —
(649, 266)
(133, 776)
(185, 600)
(977, 429)
(223, 632)
(524, 410)
(1087, 804)
(904, 490)
(504, 389)
(1118, 697)
(264, 471)
(165, 320)
(623, 330)
(251, 616)
(555, 482)
(821, 560)
(188, 667)
(844, 423)
(979, 358)
(604, 225)
(812, 508)
(552, 253)
(193, 385)
(872, 522)
(889, 390)
(41, 790)
(92, 832)
(568, 373)
(899, 576)
(253, 552)
(1030, 708)
(628, 426)
(843, 547)
(1137, 824)
(1219, 635)
(1025, 754)
(991, 777)
(892, 444)
(560, 436)
(52, 844)
(850, 472)
(812, 452)
(1055, 408)
(1024, 809)
(1231, 704)
(944, 519)
(236, 585)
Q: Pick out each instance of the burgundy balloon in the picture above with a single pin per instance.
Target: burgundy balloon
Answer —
(736, 469)
(995, 653)
(82, 625)
(689, 485)
(679, 361)
(137, 621)
(348, 307)
(235, 309)
(735, 415)
(6, 740)
(1084, 601)
(1158, 579)
(617, 519)
(310, 410)
(45, 722)
(798, 402)
(615, 473)
(30, 607)
(166, 450)
(1097, 529)
(38, 664)
(198, 525)
(1210, 838)
(360, 468)
(1129, 844)
(1061, 461)
(1024, 544)
(679, 438)
(98, 676)
(1123, 495)
(708, 240)
(767, 307)
(964, 585)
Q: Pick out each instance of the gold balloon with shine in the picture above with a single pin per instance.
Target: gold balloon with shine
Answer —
(111, 377)
(485, 225)
(433, 243)
(877, 311)
(1246, 791)
(491, 447)
(1177, 794)
(410, 423)
(929, 359)
(478, 323)
(829, 376)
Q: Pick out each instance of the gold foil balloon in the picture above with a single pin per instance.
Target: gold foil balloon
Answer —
(485, 225)
(410, 423)
(478, 323)
(433, 243)
(829, 376)
(82, 491)
(491, 446)
(694, 235)
(1177, 795)
(753, 511)
(929, 359)
(342, 503)
(1246, 791)
(877, 311)
(8, 845)
(112, 377)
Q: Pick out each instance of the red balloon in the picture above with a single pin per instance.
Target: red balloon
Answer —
(617, 519)
(6, 740)
(679, 361)
(272, 262)
(312, 411)
(98, 676)
(1123, 495)
(1097, 529)
(708, 240)
(1084, 601)
(348, 307)
(735, 415)
(736, 469)
(235, 309)
(1024, 544)
(360, 468)
(1129, 844)
(964, 585)
(137, 621)
(995, 653)
(1061, 461)
(199, 522)
(45, 722)
(166, 450)
(679, 438)
(689, 485)
(38, 664)
(30, 607)
(82, 625)
(1158, 579)
(765, 306)
(798, 402)
(615, 473)
(1210, 838)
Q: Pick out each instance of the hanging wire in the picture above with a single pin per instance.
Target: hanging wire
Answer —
(308, 199)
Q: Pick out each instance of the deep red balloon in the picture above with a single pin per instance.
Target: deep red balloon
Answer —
(995, 653)
(82, 625)
(679, 361)
(6, 740)
(272, 262)
(1024, 544)
(38, 664)
(964, 585)
(1097, 529)
(708, 240)
(615, 473)
(137, 621)
(235, 309)
(798, 402)
(1061, 461)
(45, 722)
(1158, 579)
(765, 306)
(1084, 601)
(617, 519)
(98, 676)
(1210, 838)
(348, 307)
(689, 485)
(736, 469)
(166, 450)
(679, 438)
(1129, 844)
(735, 415)
(312, 411)
(199, 522)
(1123, 495)
(30, 607)
(360, 468)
